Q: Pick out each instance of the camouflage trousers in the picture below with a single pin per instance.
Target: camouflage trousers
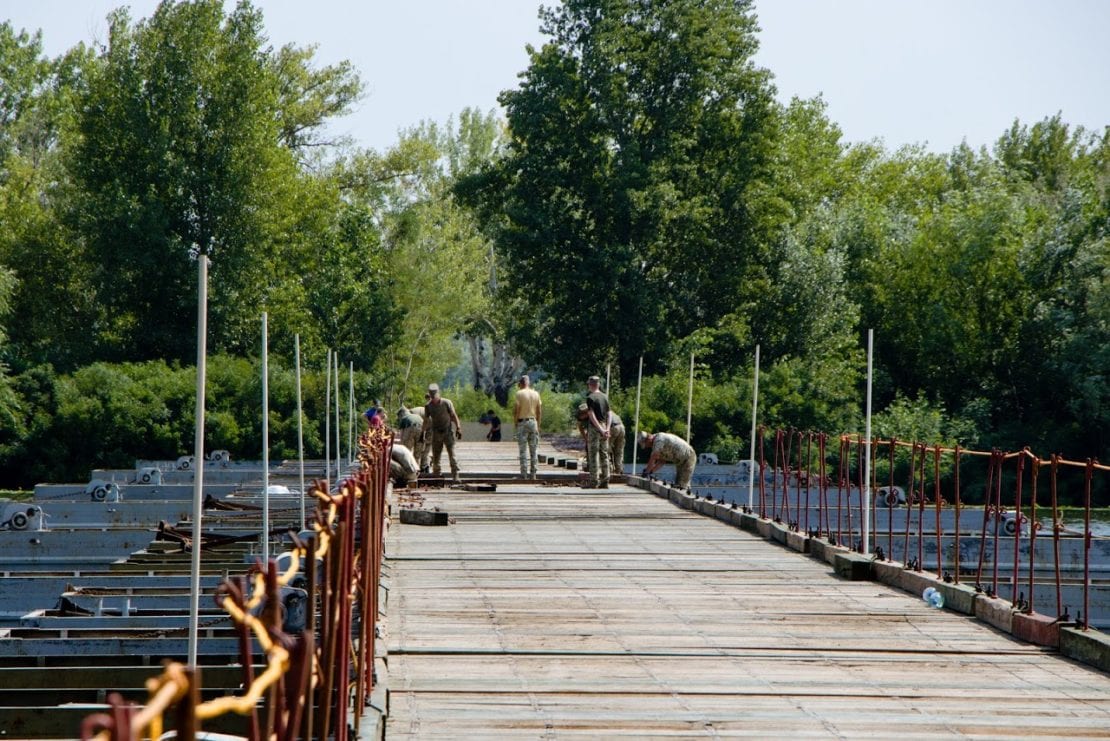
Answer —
(597, 457)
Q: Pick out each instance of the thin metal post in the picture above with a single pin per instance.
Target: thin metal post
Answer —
(751, 454)
(608, 372)
(198, 455)
(265, 441)
(327, 423)
(351, 413)
(636, 431)
(865, 485)
(338, 454)
(300, 420)
(690, 399)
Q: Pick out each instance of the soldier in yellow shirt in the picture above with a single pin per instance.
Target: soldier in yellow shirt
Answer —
(527, 414)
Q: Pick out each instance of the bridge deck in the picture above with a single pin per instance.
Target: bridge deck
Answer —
(556, 612)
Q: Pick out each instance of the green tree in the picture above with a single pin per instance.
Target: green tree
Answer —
(632, 188)
(51, 305)
(186, 147)
(435, 255)
(8, 402)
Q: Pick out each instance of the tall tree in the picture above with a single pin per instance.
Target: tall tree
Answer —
(51, 304)
(641, 133)
(435, 255)
(185, 148)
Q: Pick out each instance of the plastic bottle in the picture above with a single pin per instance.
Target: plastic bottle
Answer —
(933, 597)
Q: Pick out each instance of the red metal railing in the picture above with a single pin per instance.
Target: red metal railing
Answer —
(1009, 525)
(311, 680)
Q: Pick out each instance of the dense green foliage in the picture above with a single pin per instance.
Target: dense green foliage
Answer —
(647, 197)
(108, 414)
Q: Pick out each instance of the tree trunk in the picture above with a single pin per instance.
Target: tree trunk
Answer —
(494, 368)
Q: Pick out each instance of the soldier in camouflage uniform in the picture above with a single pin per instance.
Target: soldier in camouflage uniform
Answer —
(441, 429)
(597, 429)
(668, 448)
(616, 444)
(411, 426)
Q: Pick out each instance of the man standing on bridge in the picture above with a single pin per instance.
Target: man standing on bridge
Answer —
(668, 448)
(442, 426)
(597, 428)
(527, 414)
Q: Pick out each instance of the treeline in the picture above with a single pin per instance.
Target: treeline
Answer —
(646, 197)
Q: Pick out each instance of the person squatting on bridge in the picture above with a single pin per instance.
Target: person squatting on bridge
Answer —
(527, 415)
(402, 465)
(441, 427)
(597, 440)
(668, 448)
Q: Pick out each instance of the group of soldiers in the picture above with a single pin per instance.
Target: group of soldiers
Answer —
(603, 431)
(425, 431)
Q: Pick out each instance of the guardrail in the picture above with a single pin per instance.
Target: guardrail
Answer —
(922, 521)
(312, 680)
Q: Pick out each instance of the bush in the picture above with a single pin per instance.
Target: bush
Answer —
(471, 404)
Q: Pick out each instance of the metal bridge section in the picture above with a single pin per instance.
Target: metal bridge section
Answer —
(551, 611)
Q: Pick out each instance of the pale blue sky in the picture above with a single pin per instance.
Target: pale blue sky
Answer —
(932, 72)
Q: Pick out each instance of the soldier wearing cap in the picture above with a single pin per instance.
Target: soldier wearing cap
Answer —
(582, 416)
(441, 427)
(668, 448)
(527, 414)
(597, 438)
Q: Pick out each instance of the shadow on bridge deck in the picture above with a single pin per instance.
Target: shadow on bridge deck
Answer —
(554, 611)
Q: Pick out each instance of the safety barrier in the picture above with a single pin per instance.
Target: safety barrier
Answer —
(1004, 548)
(312, 680)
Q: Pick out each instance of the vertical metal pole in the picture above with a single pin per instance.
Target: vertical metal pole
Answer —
(327, 424)
(265, 442)
(198, 455)
(608, 372)
(338, 454)
(751, 454)
(690, 399)
(300, 420)
(636, 431)
(351, 413)
(865, 485)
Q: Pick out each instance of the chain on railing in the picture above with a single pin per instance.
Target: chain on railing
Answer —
(302, 676)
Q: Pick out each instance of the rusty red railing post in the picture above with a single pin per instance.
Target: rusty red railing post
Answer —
(860, 473)
(784, 514)
(809, 477)
(997, 517)
(1056, 525)
(958, 504)
(937, 502)
(1034, 526)
(891, 500)
(909, 504)
(762, 474)
(186, 721)
(921, 510)
(823, 483)
(1087, 534)
(1016, 574)
(988, 493)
